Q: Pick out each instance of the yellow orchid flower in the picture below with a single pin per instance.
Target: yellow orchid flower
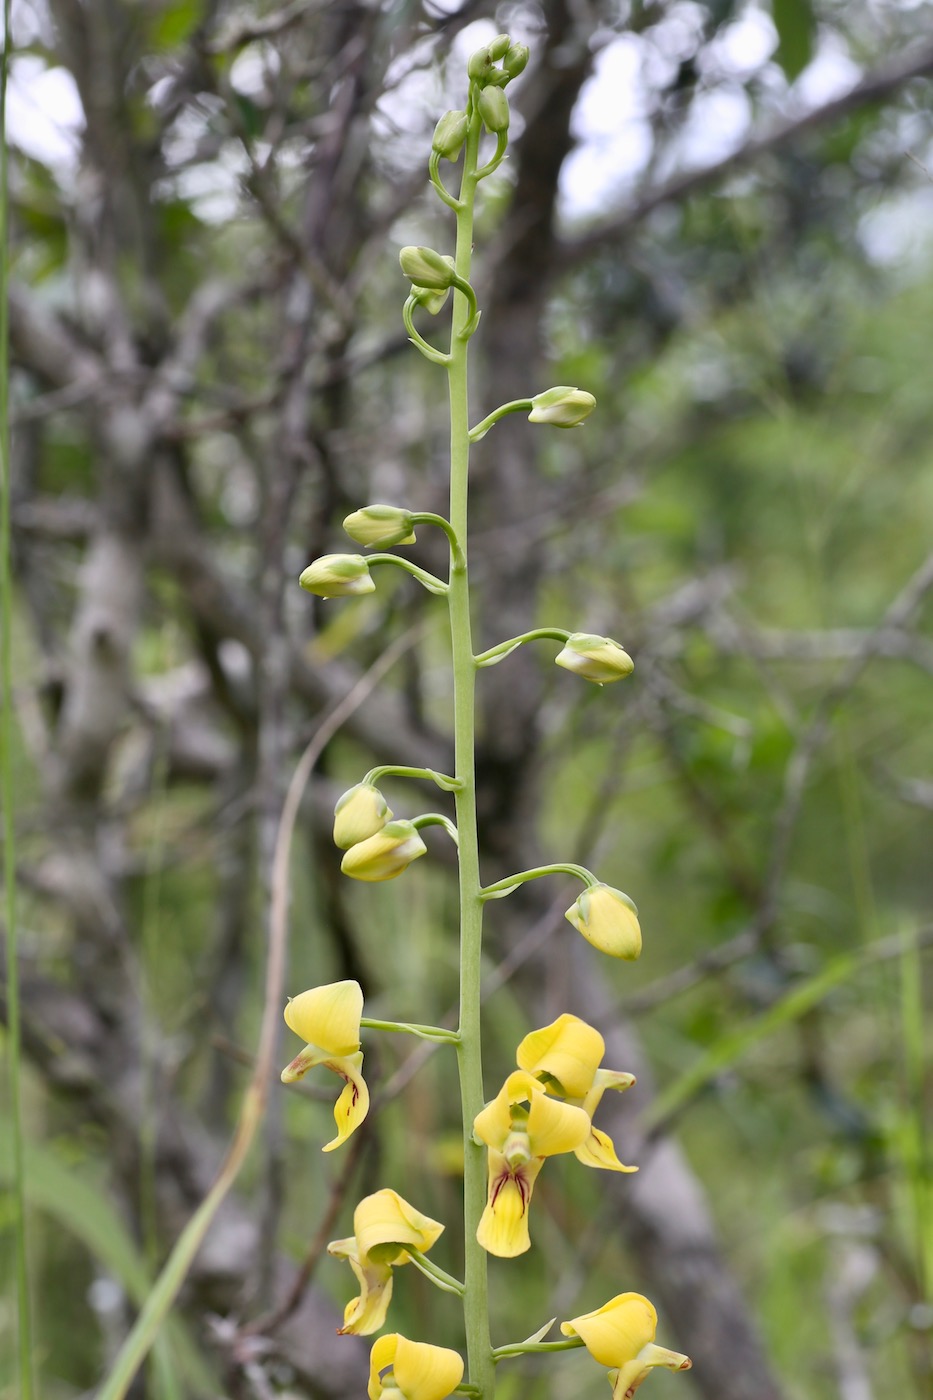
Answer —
(328, 1018)
(385, 1226)
(521, 1126)
(620, 1335)
(564, 1057)
(419, 1371)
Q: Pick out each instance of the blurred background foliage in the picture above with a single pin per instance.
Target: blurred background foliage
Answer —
(209, 371)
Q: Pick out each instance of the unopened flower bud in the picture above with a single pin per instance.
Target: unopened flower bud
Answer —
(561, 407)
(515, 60)
(479, 65)
(450, 134)
(499, 47)
(359, 814)
(608, 919)
(380, 525)
(494, 109)
(596, 659)
(337, 576)
(384, 855)
(426, 268)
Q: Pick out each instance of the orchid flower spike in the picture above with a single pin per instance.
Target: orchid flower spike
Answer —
(620, 1335)
(385, 1226)
(419, 1371)
(565, 1059)
(328, 1018)
(608, 919)
(521, 1127)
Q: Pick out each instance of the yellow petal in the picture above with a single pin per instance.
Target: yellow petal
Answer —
(493, 1123)
(503, 1228)
(424, 1372)
(567, 1051)
(384, 1223)
(607, 918)
(367, 1313)
(554, 1126)
(328, 1017)
(353, 1105)
(421, 1371)
(598, 1151)
(615, 1333)
(632, 1374)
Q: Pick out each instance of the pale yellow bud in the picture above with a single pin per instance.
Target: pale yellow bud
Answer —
(384, 855)
(337, 576)
(608, 919)
(561, 407)
(596, 659)
(380, 525)
(359, 814)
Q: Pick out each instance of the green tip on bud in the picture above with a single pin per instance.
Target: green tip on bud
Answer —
(494, 109)
(450, 134)
(608, 919)
(561, 407)
(596, 659)
(384, 855)
(380, 526)
(426, 268)
(338, 576)
(516, 59)
(360, 813)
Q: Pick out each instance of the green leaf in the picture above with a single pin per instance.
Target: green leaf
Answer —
(795, 23)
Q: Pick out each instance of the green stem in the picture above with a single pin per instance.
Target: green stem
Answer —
(512, 882)
(427, 517)
(515, 406)
(436, 1033)
(27, 1387)
(437, 357)
(436, 819)
(469, 1051)
(502, 141)
(442, 191)
(398, 770)
(523, 1348)
(446, 1282)
(494, 655)
(432, 584)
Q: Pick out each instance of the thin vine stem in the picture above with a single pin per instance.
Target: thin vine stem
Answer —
(27, 1386)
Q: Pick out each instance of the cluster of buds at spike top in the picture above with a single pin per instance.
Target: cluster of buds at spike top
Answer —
(385, 1227)
(620, 1335)
(561, 407)
(380, 526)
(482, 69)
(596, 659)
(608, 919)
(338, 576)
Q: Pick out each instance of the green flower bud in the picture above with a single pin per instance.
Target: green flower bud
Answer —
(426, 268)
(597, 659)
(608, 919)
(450, 134)
(384, 855)
(479, 65)
(494, 109)
(515, 60)
(360, 813)
(499, 47)
(338, 576)
(433, 302)
(380, 525)
(562, 407)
